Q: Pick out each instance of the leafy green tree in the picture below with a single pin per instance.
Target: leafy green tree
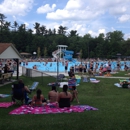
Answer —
(45, 52)
(37, 28)
(38, 52)
(42, 30)
(15, 26)
(62, 30)
(73, 33)
(2, 21)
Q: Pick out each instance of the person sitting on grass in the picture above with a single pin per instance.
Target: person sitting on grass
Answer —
(53, 95)
(38, 99)
(65, 97)
(24, 88)
(74, 94)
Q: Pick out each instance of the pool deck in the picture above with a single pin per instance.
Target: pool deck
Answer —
(66, 74)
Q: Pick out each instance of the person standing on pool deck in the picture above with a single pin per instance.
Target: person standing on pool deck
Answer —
(66, 66)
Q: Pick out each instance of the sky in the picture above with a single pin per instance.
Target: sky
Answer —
(85, 16)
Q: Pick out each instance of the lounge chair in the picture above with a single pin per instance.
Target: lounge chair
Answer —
(34, 86)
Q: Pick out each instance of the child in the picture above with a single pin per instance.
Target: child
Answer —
(75, 94)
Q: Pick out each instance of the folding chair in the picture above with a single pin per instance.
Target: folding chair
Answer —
(34, 86)
(17, 94)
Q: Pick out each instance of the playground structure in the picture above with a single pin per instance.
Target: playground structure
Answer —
(67, 55)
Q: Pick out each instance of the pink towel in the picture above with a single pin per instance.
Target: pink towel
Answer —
(50, 109)
(6, 104)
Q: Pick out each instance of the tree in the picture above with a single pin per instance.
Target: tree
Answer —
(15, 26)
(2, 21)
(62, 30)
(73, 33)
(38, 52)
(54, 31)
(42, 30)
(7, 25)
(37, 28)
(45, 52)
(114, 41)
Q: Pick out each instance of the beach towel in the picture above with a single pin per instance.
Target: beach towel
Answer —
(54, 84)
(6, 104)
(50, 109)
(4, 95)
(118, 85)
(62, 84)
(93, 80)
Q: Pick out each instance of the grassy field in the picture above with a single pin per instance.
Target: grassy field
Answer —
(113, 104)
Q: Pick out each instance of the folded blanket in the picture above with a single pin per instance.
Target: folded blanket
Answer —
(25, 109)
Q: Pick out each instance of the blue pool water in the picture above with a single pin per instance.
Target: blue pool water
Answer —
(52, 66)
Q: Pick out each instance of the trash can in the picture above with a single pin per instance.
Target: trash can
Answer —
(28, 72)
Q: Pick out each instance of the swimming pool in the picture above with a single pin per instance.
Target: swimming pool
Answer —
(52, 66)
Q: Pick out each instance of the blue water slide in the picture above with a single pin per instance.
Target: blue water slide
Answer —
(68, 52)
(68, 57)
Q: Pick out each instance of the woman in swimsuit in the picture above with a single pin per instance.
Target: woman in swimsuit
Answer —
(64, 97)
(53, 95)
(38, 99)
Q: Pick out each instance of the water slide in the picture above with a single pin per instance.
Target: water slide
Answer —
(55, 53)
(68, 55)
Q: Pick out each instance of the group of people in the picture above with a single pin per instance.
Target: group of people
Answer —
(7, 66)
(62, 99)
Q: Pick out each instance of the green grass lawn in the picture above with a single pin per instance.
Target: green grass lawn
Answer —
(113, 104)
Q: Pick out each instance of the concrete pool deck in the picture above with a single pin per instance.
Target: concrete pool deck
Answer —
(66, 74)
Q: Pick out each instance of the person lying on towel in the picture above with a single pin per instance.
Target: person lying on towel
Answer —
(125, 84)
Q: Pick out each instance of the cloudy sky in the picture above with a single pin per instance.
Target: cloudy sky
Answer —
(85, 16)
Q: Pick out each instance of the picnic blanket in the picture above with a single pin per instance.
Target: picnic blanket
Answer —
(6, 104)
(50, 109)
(4, 95)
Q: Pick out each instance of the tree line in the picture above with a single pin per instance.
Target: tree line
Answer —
(44, 41)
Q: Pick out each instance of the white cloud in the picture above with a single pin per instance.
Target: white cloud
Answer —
(127, 36)
(75, 10)
(27, 24)
(124, 18)
(118, 10)
(85, 16)
(102, 31)
(89, 10)
(94, 34)
(16, 7)
(73, 4)
(46, 8)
